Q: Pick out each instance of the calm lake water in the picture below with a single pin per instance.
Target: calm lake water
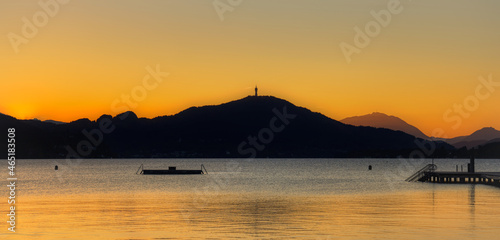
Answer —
(243, 199)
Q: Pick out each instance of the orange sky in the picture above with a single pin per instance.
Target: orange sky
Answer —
(89, 53)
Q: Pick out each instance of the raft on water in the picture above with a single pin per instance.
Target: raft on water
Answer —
(170, 171)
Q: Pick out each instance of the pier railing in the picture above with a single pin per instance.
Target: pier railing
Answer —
(203, 168)
(141, 168)
(420, 173)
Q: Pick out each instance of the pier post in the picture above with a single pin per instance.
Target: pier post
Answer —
(471, 167)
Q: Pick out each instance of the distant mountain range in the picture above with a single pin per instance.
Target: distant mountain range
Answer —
(54, 122)
(261, 126)
(381, 120)
(481, 137)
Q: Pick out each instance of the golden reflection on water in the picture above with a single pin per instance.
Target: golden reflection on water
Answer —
(453, 213)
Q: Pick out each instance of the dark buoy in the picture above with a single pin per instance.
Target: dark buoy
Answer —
(369, 167)
(56, 168)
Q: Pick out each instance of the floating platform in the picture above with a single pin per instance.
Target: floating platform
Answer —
(170, 171)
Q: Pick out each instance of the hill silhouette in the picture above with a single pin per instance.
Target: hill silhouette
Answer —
(381, 120)
(261, 126)
(480, 137)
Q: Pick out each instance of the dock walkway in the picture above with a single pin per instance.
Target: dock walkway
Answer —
(429, 174)
(490, 178)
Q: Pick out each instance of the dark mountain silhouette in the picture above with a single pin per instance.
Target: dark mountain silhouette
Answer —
(492, 141)
(261, 126)
(480, 137)
(54, 122)
(488, 150)
(381, 120)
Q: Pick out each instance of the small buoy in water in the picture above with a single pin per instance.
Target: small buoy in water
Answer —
(56, 168)
(369, 167)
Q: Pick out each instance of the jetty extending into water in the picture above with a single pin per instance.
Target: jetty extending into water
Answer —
(429, 174)
(170, 171)
(490, 178)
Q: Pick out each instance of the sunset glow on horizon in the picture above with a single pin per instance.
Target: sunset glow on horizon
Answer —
(434, 64)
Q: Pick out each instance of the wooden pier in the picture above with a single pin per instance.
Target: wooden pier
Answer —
(429, 174)
(489, 178)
